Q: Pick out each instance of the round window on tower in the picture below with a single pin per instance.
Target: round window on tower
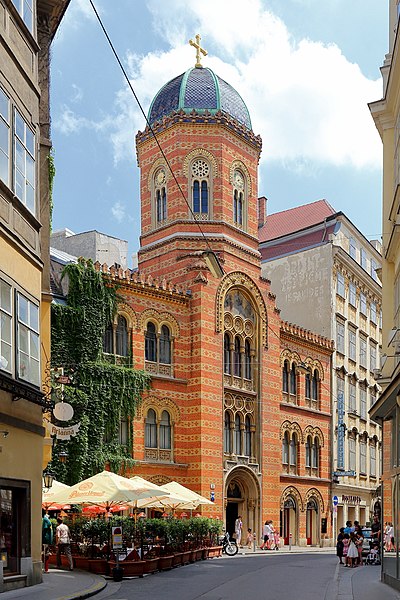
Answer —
(200, 168)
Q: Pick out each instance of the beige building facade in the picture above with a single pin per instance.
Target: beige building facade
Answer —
(324, 274)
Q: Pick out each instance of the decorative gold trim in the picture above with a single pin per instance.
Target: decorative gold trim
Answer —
(294, 492)
(197, 153)
(126, 311)
(159, 479)
(316, 495)
(240, 166)
(158, 405)
(291, 428)
(159, 319)
(157, 164)
(314, 432)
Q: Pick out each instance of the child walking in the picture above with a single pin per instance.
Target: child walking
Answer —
(352, 552)
(249, 539)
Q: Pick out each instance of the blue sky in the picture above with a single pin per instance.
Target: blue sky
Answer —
(305, 68)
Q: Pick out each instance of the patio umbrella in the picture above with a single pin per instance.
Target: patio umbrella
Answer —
(176, 488)
(48, 502)
(173, 502)
(108, 490)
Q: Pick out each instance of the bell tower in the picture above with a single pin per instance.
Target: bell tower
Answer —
(209, 202)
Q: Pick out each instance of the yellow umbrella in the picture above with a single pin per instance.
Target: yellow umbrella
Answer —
(176, 488)
(173, 501)
(48, 502)
(107, 489)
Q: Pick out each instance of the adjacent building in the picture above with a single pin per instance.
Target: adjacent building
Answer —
(386, 411)
(26, 30)
(323, 272)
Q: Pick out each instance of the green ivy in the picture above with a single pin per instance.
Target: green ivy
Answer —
(101, 393)
(52, 174)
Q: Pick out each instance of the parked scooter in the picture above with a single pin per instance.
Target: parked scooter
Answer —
(229, 546)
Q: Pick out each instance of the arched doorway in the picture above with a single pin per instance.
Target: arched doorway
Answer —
(312, 521)
(242, 497)
(289, 520)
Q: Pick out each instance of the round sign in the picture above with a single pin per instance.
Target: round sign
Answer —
(63, 411)
(335, 500)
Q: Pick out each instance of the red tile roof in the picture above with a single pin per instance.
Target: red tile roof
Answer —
(294, 219)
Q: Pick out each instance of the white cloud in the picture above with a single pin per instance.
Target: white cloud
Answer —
(118, 211)
(77, 93)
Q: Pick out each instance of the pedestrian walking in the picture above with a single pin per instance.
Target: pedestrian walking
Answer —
(352, 552)
(339, 545)
(249, 539)
(238, 530)
(63, 542)
(346, 542)
(266, 534)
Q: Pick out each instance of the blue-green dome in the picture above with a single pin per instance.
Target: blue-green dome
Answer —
(201, 90)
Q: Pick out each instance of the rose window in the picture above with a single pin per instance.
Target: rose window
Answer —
(200, 168)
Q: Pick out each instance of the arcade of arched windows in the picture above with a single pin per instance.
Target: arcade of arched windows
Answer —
(293, 440)
(158, 348)
(117, 341)
(239, 430)
(158, 435)
(293, 369)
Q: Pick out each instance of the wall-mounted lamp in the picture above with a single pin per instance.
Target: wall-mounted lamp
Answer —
(62, 456)
(48, 478)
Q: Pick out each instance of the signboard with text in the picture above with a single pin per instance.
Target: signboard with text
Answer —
(340, 431)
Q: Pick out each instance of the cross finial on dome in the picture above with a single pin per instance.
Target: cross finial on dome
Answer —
(199, 50)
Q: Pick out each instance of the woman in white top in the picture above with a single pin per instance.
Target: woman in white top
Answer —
(267, 535)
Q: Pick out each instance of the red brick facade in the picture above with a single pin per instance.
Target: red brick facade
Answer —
(221, 383)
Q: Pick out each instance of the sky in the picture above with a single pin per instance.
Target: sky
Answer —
(306, 70)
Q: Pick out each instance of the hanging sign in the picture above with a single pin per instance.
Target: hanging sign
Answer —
(116, 538)
(63, 411)
(340, 431)
(63, 433)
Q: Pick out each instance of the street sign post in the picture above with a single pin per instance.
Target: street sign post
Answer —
(335, 500)
(344, 473)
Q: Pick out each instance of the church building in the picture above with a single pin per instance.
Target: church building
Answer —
(240, 406)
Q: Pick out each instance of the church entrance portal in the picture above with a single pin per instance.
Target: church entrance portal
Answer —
(232, 513)
(242, 498)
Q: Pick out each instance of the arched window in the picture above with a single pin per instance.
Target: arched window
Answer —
(307, 392)
(238, 199)
(285, 449)
(165, 431)
(151, 342)
(160, 196)
(165, 345)
(237, 436)
(227, 355)
(200, 174)
(227, 433)
(121, 337)
(315, 387)
(293, 380)
(150, 430)
(315, 454)
(308, 451)
(247, 360)
(108, 342)
(247, 437)
(285, 377)
(237, 359)
(293, 451)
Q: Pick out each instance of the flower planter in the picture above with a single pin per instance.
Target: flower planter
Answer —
(177, 560)
(151, 565)
(81, 562)
(199, 553)
(186, 557)
(165, 562)
(204, 555)
(214, 551)
(98, 565)
(131, 568)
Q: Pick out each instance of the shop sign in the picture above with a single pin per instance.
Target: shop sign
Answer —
(351, 499)
(64, 433)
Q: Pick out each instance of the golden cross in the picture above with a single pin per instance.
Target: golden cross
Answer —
(199, 50)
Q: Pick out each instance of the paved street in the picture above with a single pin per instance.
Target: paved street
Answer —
(271, 577)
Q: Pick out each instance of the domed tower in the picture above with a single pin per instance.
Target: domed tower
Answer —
(204, 129)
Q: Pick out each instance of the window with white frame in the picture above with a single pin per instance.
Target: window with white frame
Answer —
(352, 453)
(363, 403)
(363, 456)
(363, 352)
(340, 337)
(239, 193)
(25, 9)
(340, 285)
(353, 248)
(24, 162)
(372, 460)
(372, 356)
(363, 304)
(352, 396)
(6, 362)
(352, 294)
(363, 259)
(285, 449)
(201, 175)
(374, 266)
(28, 348)
(372, 313)
(352, 345)
(160, 192)
(4, 138)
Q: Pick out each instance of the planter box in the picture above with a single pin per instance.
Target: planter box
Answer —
(199, 553)
(214, 551)
(132, 568)
(151, 565)
(81, 562)
(186, 557)
(165, 562)
(177, 560)
(205, 553)
(192, 557)
(98, 565)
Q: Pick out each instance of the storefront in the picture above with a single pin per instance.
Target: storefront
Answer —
(14, 524)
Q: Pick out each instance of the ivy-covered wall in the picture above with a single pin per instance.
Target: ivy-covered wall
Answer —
(101, 394)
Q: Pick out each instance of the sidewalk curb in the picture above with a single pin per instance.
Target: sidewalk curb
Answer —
(92, 591)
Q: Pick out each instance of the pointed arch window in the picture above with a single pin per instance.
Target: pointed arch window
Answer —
(227, 433)
(307, 391)
(315, 455)
(237, 359)
(315, 387)
(239, 198)
(227, 355)
(237, 436)
(285, 377)
(285, 449)
(293, 451)
(165, 430)
(247, 437)
(150, 430)
(151, 342)
(293, 380)
(121, 337)
(160, 194)
(201, 179)
(165, 345)
(108, 342)
(247, 360)
(308, 451)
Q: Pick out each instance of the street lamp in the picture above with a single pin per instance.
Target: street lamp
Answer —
(62, 456)
(48, 478)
